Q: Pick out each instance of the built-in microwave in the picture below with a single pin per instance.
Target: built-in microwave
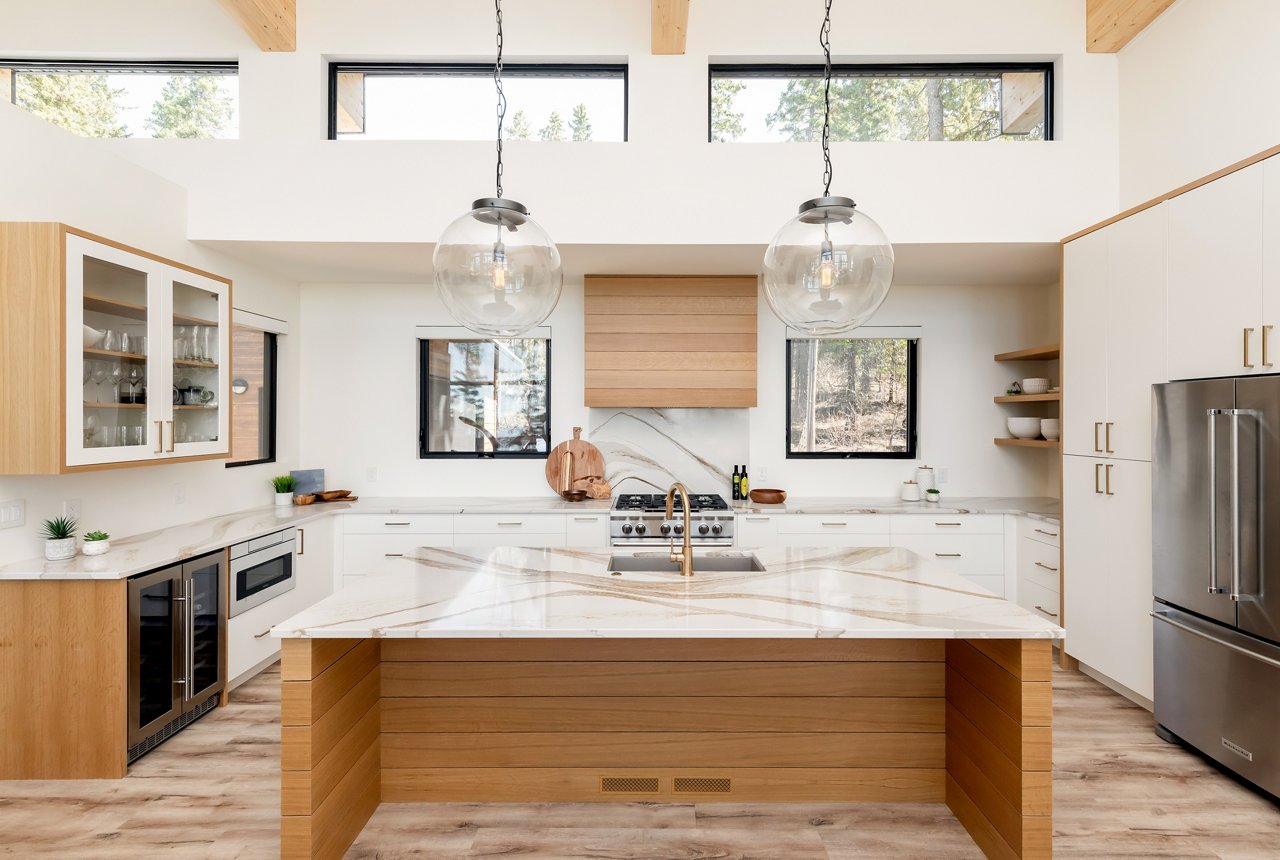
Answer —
(262, 569)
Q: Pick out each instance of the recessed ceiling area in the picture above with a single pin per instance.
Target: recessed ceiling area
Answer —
(1032, 264)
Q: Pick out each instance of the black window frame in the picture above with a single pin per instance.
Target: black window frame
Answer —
(483, 70)
(423, 416)
(812, 70)
(271, 369)
(913, 390)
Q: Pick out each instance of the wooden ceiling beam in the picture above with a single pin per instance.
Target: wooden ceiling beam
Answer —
(272, 24)
(670, 26)
(1112, 24)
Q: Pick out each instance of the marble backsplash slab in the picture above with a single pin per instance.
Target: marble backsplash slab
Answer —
(645, 450)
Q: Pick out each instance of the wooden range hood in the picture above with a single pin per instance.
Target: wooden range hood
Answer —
(670, 340)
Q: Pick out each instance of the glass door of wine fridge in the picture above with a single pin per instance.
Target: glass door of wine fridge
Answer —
(155, 651)
(207, 627)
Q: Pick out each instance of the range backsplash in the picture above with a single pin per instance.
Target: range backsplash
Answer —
(645, 450)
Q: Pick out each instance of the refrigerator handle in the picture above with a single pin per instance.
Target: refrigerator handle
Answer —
(1213, 500)
(1236, 591)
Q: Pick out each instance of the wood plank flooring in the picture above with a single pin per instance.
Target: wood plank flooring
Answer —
(213, 792)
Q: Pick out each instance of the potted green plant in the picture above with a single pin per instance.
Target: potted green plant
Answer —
(932, 495)
(96, 543)
(284, 485)
(59, 538)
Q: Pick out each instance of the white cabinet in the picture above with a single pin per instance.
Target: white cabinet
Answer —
(1114, 322)
(489, 530)
(1107, 503)
(1039, 568)
(756, 531)
(374, 544)
(1216, 251)
(843, 530)
(587, 531)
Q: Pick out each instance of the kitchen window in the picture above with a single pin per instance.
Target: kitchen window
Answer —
(852, 397)
(897, 102)
(485, 397)
(253, 396)
(99, 98)
(455, 101)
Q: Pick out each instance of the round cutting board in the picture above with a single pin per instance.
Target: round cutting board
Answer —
(587, 462)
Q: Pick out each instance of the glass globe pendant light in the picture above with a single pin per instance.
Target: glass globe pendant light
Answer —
(497, 271)
(830, 267)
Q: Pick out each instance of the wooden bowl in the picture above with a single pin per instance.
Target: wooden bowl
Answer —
(768, 497)
(304, 500)
(574, 496)
(331, 495)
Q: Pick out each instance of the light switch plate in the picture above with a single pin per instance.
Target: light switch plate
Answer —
(941, 476)
(72, 509)
(13, 513)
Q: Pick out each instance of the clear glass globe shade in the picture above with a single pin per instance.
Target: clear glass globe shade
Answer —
(497, 271)
(828, 270)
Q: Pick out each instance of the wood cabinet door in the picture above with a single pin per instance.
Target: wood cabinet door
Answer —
(1136, 330)
(1084, 349)
(1215, 277)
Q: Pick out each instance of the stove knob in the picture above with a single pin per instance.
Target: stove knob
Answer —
(679, 528)
(665, 528)
(626, 528)
(640, 529)
(703, 528)
(717, 529)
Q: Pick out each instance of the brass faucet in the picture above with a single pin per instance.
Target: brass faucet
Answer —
(685, 556)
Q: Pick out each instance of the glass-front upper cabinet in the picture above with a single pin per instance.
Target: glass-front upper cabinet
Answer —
(144, 341)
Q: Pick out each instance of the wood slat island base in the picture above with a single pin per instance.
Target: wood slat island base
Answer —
(965, 722)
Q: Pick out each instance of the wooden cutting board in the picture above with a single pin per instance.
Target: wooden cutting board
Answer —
(585, 462)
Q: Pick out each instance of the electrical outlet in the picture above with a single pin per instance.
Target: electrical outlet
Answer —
(371, 475)
(13, 513)
(72, 508)
(941, 476)
(762, 474)
(179, 494)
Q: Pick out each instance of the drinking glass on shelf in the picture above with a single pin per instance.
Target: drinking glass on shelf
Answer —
(111, 341)
(135, 435)
(98, 376)
(134, 377)
(122, 434)
(181, 342)
(115, 374)
(208, 337)
(90, 430)
(126, 342)
(140, 345)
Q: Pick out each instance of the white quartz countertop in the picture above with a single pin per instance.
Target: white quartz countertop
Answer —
(570, 593)
(155, 549)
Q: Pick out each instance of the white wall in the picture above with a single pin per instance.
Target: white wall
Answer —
(54, 176)
(306, 188)
(1197, 92)
(359, 402)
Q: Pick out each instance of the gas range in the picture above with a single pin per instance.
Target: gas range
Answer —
(639, 519)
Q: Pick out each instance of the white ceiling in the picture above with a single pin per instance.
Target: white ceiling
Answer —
(1007, 264)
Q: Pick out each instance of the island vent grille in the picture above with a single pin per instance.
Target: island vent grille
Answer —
(703, 784)
(629, 784)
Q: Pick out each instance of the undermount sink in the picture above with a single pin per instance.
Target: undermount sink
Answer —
(660, 563)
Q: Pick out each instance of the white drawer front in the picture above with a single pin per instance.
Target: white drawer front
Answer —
(1039, 563)
(992, 583)
(248, 642)
(818, 524)
(390, 524)
(965, 554)
(1040, 600)
(531, 539)
(587, 530)
(755, 531)
(374, 554)
(938, 524)
(1038, 530)
(478, 524)
(837, 540)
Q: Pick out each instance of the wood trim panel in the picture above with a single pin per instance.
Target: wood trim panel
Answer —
(1028, 702)
(304, 659)
(1028, 791)
(303, 746)
(646, 714)
(1112, 24)
(670, 360)
(1018, 657)
(665, 750)
(712, 342)
(669, 26)
(662, 324)
(689, 398)
(63, 679)
(639, 380)
(303, 703)
(650, 650)
(1030, 748)
(102, 240)
(662, 679)
(674, 285)
(339, 819)
(272, 24)
(647, 307)
(302, 791)
(564, 785)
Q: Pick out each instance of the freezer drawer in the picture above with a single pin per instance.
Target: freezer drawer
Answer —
(1219, 691)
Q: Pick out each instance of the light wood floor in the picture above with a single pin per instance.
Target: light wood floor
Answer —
(212, 791)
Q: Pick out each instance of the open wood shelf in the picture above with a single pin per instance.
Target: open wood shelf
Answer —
(191, 406)
(1048, 352)
(128, 310)
(1052, 396)
(88, 404)
(123, 356)
(1029, 443)
(187, 362)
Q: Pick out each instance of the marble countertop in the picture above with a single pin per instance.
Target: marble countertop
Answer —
(803, 592)
(1037, 507)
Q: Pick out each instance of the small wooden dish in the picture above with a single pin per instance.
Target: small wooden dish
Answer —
(768, 496)
(308, 499)
(333, 495)
(574, 496)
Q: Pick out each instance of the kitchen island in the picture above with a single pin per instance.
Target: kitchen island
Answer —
(527, 675)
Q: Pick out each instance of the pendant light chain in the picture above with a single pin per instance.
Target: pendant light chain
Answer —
(502, 96)
(824, 37)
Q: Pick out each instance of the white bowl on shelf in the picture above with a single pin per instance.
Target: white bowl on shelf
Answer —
(92, 337)
(1035, 385)
(1024, 428)
(1051, 428)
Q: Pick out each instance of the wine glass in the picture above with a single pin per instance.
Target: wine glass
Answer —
(115, 374)
(181, 342)
(134, 378)
(111, 341)
(99, 376)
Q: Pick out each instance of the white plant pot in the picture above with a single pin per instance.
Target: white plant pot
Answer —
(60, 550)
(96, 547)
(932, 497)
(284, 498)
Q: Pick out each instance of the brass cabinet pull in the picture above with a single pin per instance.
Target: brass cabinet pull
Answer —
(1097, 478)
(171, 439)
(1107, 437)
(1047, 534)
(515, 523)
(1266, 330)
(159, 437)
(1247, 332)
(1046, 612)
(263, 633)
(396, 524)
(947, 554)
(1046, 567)
(1097, 446)
(302, 541)
(1108, 475)
(837, 525)
(948, 524)
(393, 554)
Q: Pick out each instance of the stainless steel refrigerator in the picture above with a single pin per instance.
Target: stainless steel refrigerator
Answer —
(1216, 570)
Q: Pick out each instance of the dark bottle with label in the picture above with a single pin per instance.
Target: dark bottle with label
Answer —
(737, 487)
(744, 488)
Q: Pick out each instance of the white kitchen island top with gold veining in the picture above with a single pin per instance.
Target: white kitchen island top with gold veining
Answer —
(571, 593)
